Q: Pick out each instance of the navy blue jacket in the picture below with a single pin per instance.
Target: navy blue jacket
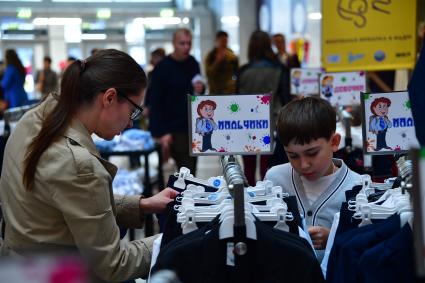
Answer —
(275, 256)
(417, 97)
(166, 96)
(390, 261)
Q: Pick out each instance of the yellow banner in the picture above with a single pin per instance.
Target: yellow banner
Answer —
(368, 34)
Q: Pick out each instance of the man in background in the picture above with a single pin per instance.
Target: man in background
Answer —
(170, 83)
(46, 80)
(287, 59)
(221, 66)
(156, 56)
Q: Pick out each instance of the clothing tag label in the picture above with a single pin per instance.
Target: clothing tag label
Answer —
(230, 259)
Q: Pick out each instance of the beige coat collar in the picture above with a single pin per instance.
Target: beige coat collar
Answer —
(78, 133)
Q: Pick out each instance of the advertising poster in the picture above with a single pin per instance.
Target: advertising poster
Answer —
(305, 81)
(230, 124)
(388, 125)
(368, 35)
(342, 89)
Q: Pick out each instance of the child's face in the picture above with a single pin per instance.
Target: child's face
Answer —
(313, 160)
(381, 109)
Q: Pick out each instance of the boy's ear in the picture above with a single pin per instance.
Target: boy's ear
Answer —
(335, 140)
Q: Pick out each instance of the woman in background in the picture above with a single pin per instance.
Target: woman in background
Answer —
(13, 82)
(263, 74)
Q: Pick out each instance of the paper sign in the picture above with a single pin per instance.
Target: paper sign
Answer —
(388, 125)
(368, 35)
(230, 124)
(342, 89)
(305, 81)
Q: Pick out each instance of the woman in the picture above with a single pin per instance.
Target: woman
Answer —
(56, 190)
(263, 74)
(13, 82)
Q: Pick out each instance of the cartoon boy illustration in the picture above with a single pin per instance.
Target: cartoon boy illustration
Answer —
(379, 122)
(205, 124)
(327, 86)
(296, 80)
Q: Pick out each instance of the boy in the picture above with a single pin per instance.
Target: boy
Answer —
(306, 128)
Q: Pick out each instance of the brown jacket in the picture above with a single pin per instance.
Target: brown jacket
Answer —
(72, 206)
(221, 76)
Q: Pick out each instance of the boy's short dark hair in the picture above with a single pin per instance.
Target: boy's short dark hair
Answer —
(304, 120)
(47, 59)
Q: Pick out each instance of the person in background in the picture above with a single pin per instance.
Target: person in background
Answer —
(56, 190)
(263, 74)
(198, 83)
(46, 80)
(13, 82)
(156, 56)
(221, 66)
(2, 69)
(65, 65)
(289, 60)
(170, 84)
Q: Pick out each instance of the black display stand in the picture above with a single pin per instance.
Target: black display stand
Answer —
(148, 182)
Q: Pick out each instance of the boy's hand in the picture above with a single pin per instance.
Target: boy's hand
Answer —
(319, 235)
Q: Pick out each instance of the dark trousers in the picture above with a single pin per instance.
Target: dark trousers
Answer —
(380, 140)
(206, 141)
(180, 152)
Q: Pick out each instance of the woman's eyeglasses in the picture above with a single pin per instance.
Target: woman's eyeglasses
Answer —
(138, 109)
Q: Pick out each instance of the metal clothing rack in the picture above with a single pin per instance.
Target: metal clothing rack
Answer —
(236, 182)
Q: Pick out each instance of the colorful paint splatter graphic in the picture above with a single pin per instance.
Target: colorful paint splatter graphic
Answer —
(265, 140)
(252, 137)
(234, 107)
(264, 99)
(255, 109)
(366, 96)
(251, 148)
(196, 145)
(407, 105)
(193, 98)
(222, 149)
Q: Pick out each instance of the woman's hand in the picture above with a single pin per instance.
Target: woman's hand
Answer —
(158, 203)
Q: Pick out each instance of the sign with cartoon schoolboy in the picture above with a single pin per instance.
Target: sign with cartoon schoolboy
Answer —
(342, 89)
(305, 82)
(388, 125)
(230, 124)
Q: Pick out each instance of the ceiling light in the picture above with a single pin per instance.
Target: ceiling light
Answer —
(56, 21)
(315, 16)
